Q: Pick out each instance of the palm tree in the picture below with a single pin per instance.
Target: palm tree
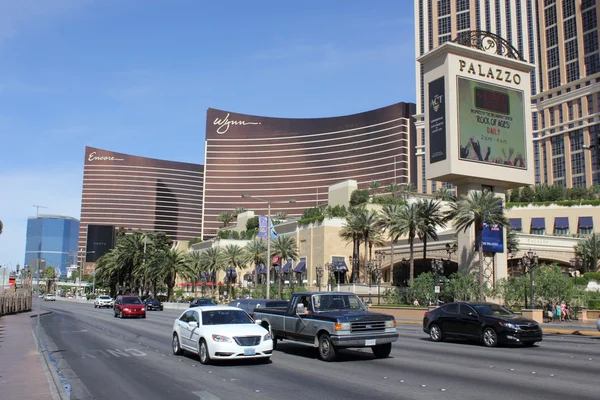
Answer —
(279, 217)
(129, 258)
(407, 222)
(432, 217)
(366, 220)
(226, 218)
(233, 257)
(387, 216)
(352, 232)
(195, 263)
(212, 260)
(287, 248)
(477, 208)
(255, 252)
(589, 250)
(407, 189)
(374, 186)
(375, 239)
(444, 194)
(393, 188)
(238, 211)
(174, 264)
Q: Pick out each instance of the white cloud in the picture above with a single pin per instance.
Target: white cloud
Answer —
(58, 188)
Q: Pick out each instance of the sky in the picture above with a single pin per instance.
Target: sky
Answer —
(137, 76)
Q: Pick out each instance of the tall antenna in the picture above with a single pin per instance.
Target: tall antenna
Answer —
(37, 211)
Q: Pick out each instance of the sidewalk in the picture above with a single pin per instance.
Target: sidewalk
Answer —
(23, 371)
(563, 328)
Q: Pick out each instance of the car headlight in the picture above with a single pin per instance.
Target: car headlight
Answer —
(390, 324)
(509, 325)
(267, 337)
(342, 327)
(126, 309)
(220, 338)
(143, 309)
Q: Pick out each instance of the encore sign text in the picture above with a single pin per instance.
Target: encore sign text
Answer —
(497, 74)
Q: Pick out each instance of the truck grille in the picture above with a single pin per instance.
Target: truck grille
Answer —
(247, 340)
(367, 326)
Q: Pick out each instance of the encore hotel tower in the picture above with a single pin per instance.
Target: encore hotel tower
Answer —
(277, 159)
(121, 190)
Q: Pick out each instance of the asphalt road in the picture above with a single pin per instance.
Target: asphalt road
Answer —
(108, 358)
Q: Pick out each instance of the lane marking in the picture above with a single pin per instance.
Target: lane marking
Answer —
(204, 395)
(114, 353)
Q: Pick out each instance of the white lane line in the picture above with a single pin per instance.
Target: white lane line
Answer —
(204, 395)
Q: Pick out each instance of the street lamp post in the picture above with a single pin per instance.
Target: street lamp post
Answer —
(451, 249)
(530, 260)
(437, 267)
(277, 269)
(330, 272)
(369, 269)
(576, 263)
(269, 202)
(319, 276)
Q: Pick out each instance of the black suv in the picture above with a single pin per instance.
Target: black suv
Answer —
(489, 323)
(153, 304)
(202, 302)
(249, 305)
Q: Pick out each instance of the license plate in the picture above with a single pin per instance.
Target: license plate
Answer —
(370, 342)
(249, 352)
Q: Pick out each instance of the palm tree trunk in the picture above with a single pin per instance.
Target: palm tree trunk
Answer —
(481, 277)
(365, 263)
(425, 249)
(412, 259)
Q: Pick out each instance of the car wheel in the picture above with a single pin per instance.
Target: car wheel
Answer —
(490, 338)
(528, 344)
(275, 340)
(144, 316)
(95, 306)
(326, 348)
(203, 353)
(115, 314)
(264, 360)
(435, 333)
(176, 347)
(382, 350)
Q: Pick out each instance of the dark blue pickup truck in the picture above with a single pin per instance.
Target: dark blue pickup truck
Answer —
(329, 321)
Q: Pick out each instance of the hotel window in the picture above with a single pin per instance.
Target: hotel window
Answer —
(421, 30)
(553, 57)
(488, 15)
(551, 36)
(443, 7)
(570, 28)
(571, 50)
(590, 42)
(543, 118)
(550, 15)
(585, 226)
(592, 64)
(508, 22)
(477, 19)
(534, 119)
(590, 104)
(552, 121)
(516, 224)
(579, 108)
(443, 39)
(576, 139)
(498, 19)
(577, 164)
(536, 157)
(554, 78)
(579, 181)
(573, 71)
(462, 5)
(519, 25)
(568, 8)
(561, 226)
(570, 108)
(560, 114)
(558, 167)
(589, 19)
(587, 3)
(444, 25)
(538, 226)
(463, 21)
(430, 23)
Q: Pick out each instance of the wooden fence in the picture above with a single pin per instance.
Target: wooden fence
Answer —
(16, 300)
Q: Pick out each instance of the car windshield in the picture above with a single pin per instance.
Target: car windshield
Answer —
(329, 302)
(205, 301)
(104, 297)
(225, 317)
(152, 301)
(491, 309)
(131, 300)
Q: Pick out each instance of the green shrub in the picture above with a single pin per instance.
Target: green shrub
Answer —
(593, 304)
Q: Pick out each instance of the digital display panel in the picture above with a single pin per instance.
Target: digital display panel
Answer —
(491, 124)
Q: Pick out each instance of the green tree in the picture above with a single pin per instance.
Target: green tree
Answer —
(212, 260)
(515, 195)
(462, 286)
(512, 290)
(175, 263)
(422, 288)
(474, 210)
(252, 223)
(195, 263)
(255, 252)
(49, 273)
(551, 285)
(366, 220)
(407, 190)
(279, 217)
(359, 197)
(352, 232)
(374, 187)
(287, 248)
(512, 242)
(589, 250)
(444, 194)
(431, 218)
(384, 223)
(225, 217)
(527, 195)
(407, 222)
(393, 189)
(193, 241)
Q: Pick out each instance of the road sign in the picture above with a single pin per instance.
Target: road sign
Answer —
(437, 289)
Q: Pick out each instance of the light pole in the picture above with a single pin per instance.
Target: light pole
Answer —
(330, 268)
(369, 268)
(576, 263)
(269, 202)
(530, 260)
(378, 273)
(437, 267)
(319, 276)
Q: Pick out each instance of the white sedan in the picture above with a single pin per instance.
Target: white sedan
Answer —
(220, 333)
(103, 301)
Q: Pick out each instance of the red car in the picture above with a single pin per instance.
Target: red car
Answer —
(129, 306)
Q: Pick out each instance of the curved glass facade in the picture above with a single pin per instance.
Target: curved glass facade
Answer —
(51, 242)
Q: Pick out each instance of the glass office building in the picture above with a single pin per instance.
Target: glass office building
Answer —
(51, 242)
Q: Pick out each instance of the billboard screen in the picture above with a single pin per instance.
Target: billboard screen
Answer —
(493, 239)
(437, 121)
(491, 121)
(100, 239)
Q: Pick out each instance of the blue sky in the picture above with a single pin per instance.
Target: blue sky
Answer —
(136, 76)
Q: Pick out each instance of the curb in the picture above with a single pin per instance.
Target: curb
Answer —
(57, 387)
(579, 332)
